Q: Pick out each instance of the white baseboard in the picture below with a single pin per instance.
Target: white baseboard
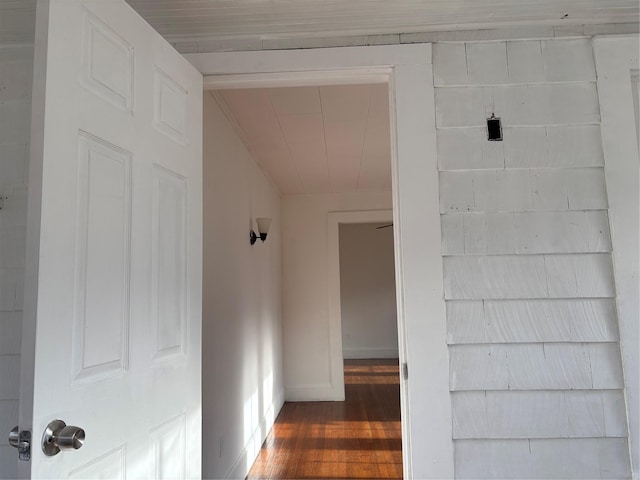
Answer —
(310, 393)
(250, 452)
(357, 353)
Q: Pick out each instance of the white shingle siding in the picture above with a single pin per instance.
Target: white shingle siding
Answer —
(535, 373)
(531, 321)
(538, 414)
(526, 62)
(535, 366)
(523, 147)
(16, 64)
(518, 105)
(558, 458)
(526, 233)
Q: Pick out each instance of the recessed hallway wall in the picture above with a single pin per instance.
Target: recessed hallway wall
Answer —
(368, 291)
(306, 319)
(242, 384)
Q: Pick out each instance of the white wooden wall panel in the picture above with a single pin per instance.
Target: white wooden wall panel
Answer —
(525, 62)
(499, 63)
(574, 146)
(535, 366)
(526, 233)
(569, 189)
(467, 149)
(606, 369)
(542, 458)
(15, 117)
(478, 277)
(559, 146)
(10, 334)
(478, 367)
(562, 320)
(16, 68)
(8, 460)
(10, 375)
(527, 276)
(568, 60)
(536, 104)
(15, 72)
(579, 275)
(538, 414)
(8, 415)
(450, 64)
(452, 233)
(506, 190)
(465, 322)
(530, 321)
(526, 147)
(615, 420)
(487, 63)
(513, 190)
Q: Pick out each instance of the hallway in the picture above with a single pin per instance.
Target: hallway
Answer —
(357, 438)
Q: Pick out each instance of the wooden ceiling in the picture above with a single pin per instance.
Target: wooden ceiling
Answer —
(286, 19)
(316, 139)
(179, 19)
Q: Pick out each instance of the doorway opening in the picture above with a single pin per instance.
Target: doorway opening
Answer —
(325, 148)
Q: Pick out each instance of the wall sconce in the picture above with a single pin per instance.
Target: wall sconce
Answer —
(263, 229)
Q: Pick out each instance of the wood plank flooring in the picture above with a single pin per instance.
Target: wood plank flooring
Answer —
(359, 438)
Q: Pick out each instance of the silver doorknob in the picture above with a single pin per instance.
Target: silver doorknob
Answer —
(60, 436)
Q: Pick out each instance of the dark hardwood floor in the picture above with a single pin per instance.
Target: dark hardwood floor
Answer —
(358, 438)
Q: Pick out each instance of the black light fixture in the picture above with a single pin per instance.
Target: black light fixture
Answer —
(494, 128)
(263, 229)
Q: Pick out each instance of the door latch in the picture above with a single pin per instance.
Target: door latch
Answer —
(22, 441)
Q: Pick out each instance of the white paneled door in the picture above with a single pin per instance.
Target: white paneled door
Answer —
(113, 284)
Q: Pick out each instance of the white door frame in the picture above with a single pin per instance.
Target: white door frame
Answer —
(335, 311)
(616, 62)
(426, 408)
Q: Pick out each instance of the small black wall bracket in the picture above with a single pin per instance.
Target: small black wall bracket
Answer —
(494, 128)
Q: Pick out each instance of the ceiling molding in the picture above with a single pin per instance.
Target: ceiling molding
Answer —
(364, 76)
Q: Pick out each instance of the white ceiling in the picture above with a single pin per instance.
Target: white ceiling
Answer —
(269, 19)
(180, 19)
(316, 139)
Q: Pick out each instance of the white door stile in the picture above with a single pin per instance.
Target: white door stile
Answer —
(111, 339)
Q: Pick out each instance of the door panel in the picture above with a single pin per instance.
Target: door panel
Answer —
(103, 266)
(118, 304)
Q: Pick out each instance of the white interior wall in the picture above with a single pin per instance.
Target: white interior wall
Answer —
(16, 66)
(306, 320)
(535, 370)
(242, 352)
(368, 292)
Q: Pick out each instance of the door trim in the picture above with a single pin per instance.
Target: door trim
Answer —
(616, 62)
(426, 407)
(335, 219)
